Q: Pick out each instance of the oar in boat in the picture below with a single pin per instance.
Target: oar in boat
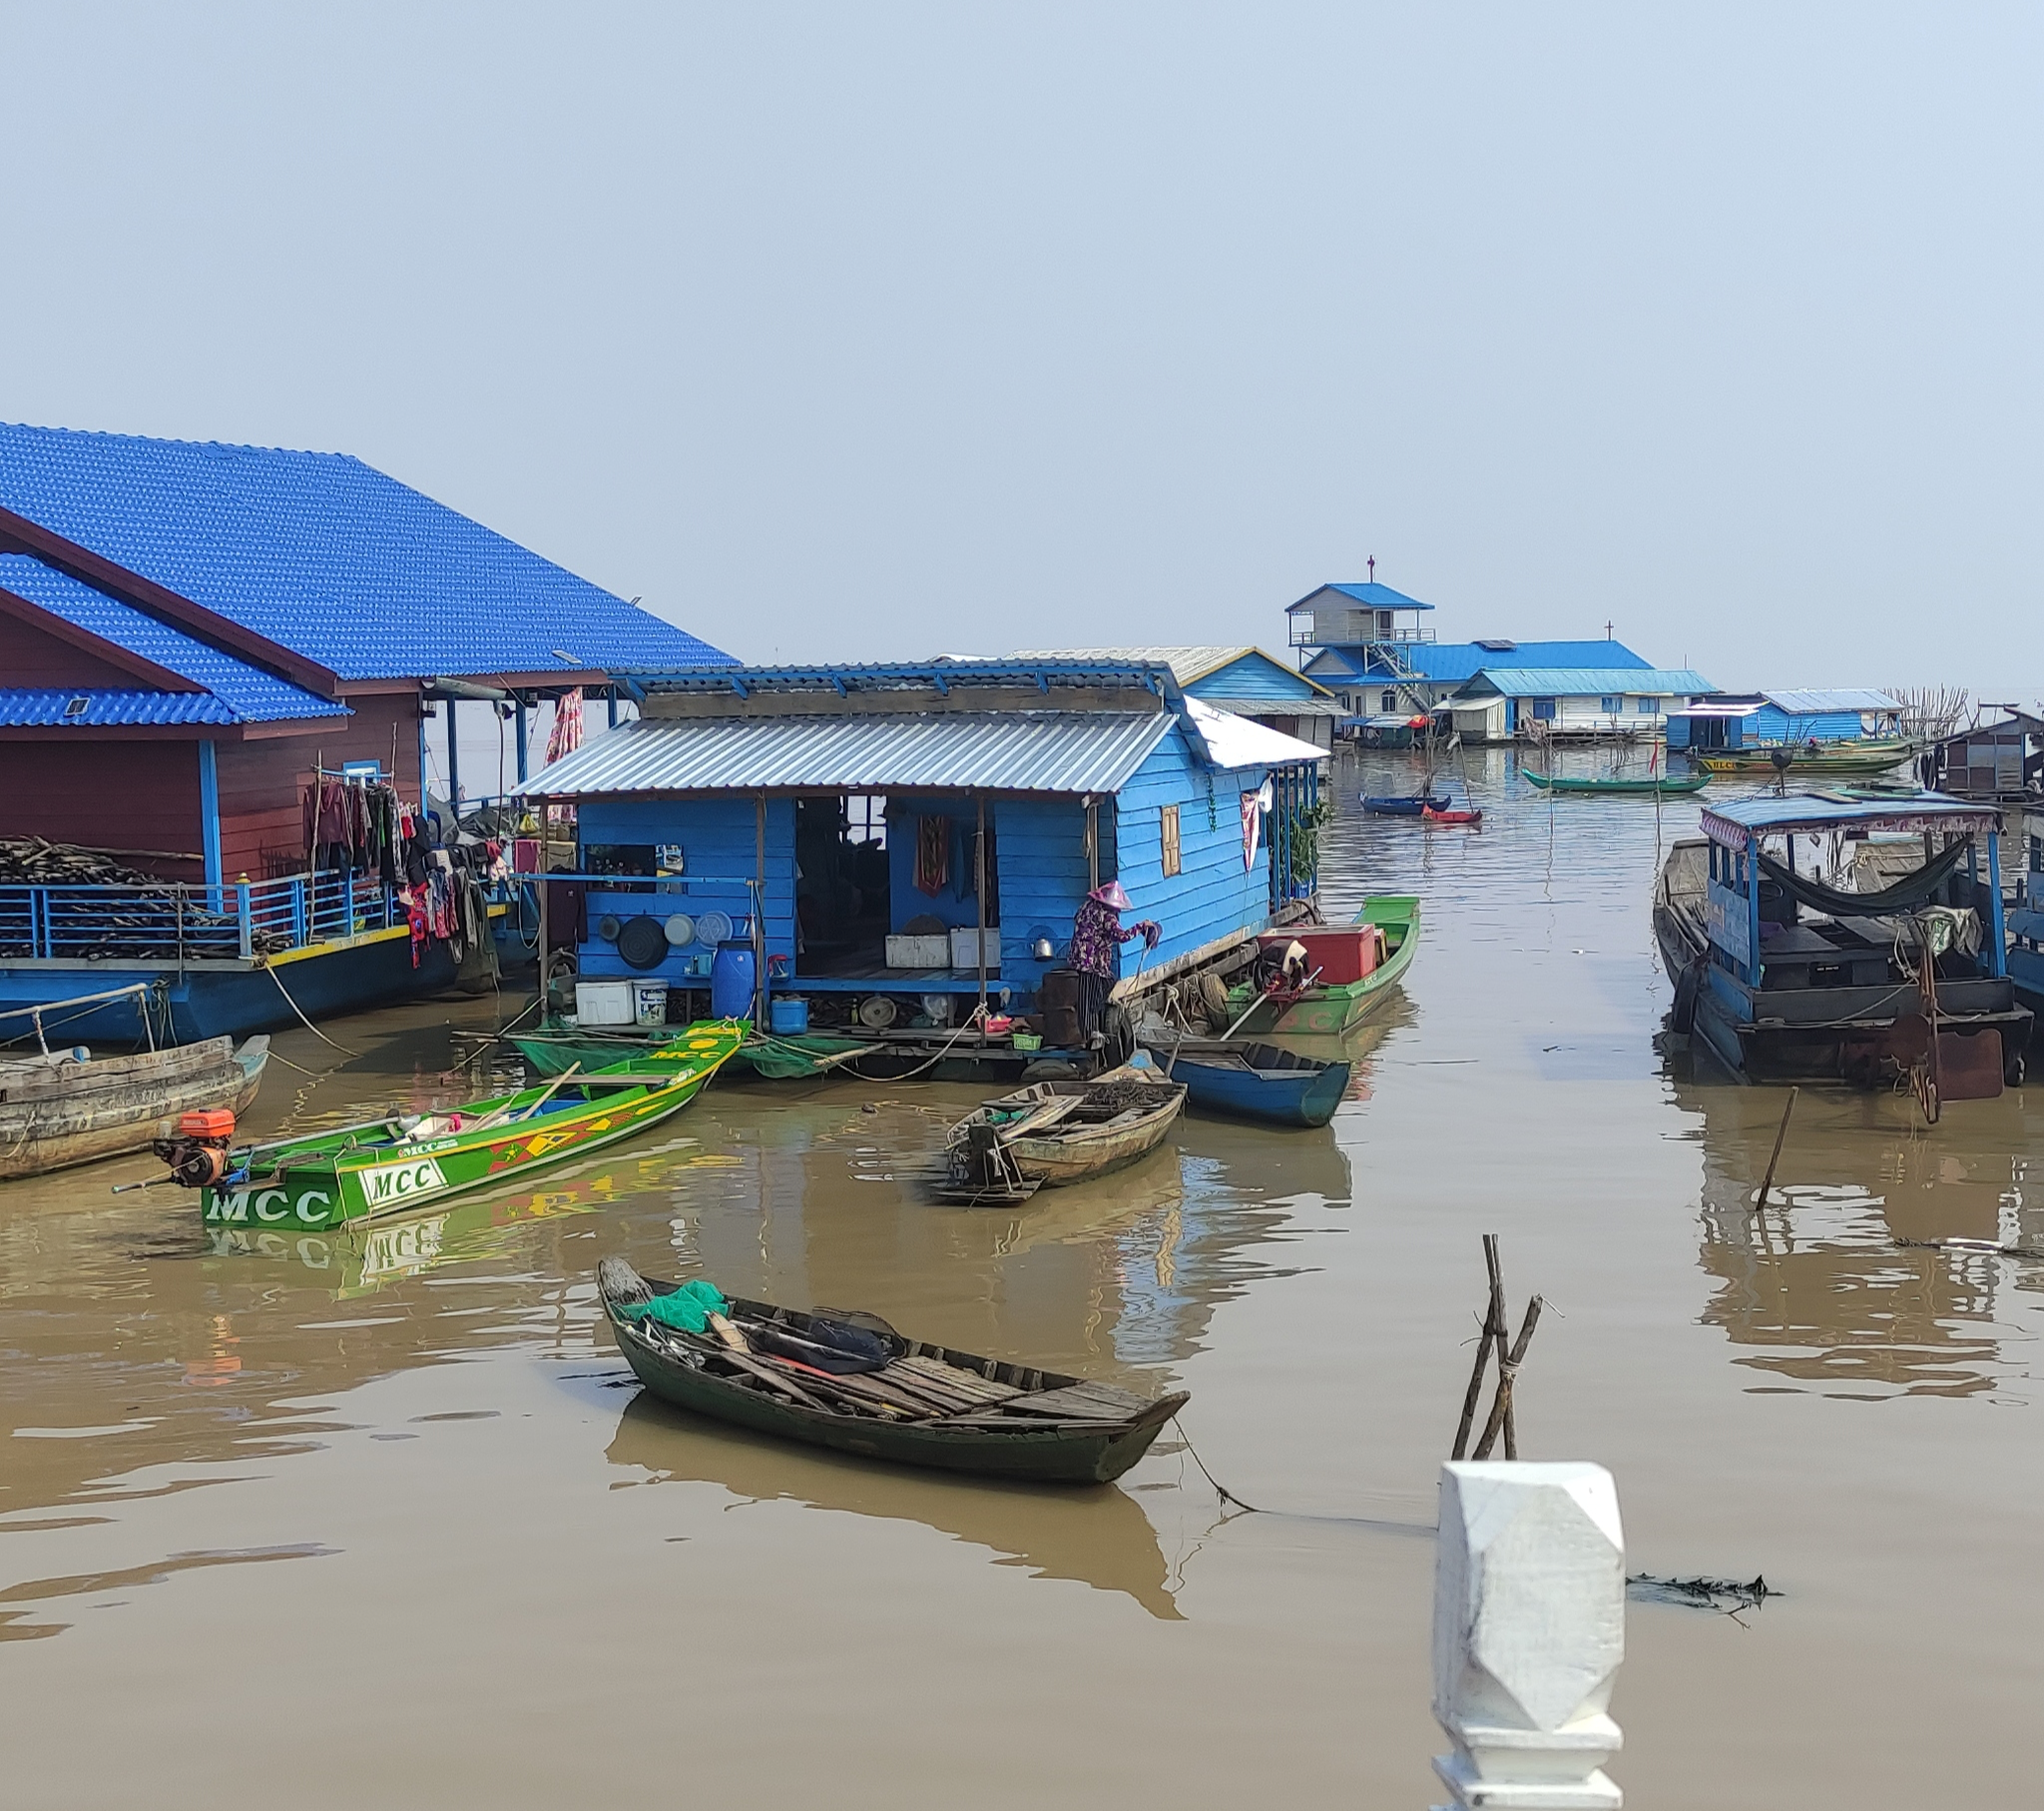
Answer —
(503, 1114)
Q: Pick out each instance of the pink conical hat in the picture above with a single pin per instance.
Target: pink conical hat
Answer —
(1111, 895)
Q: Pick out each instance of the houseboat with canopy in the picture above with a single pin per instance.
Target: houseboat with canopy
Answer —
(1857, 936)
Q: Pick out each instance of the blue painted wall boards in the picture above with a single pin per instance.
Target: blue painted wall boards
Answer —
(1253, 676)
(717, 834)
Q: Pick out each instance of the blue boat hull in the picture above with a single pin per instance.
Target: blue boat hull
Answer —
(1269, 1096)
(1404, 807)
(222, 999)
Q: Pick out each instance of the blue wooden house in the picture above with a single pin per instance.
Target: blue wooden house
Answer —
(1754, 719)
(924, 834)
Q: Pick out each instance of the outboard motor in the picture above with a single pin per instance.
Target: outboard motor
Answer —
(197, 1155)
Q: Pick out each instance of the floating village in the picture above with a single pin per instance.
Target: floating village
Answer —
(285, 743)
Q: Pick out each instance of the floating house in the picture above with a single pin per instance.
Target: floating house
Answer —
(894, 843)
(1245, 681)
(190, 636)
(1559, 703)
(1369, 646)
(1755, 720)
(2001, 761)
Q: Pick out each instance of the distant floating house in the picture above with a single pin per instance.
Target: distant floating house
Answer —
(840, 820)
(188, 632)
(1550, 704)
(1367, 644)
(1760, 718)
(2001, 761)
(1242, 680)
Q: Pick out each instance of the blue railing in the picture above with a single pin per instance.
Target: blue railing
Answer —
(174, 922)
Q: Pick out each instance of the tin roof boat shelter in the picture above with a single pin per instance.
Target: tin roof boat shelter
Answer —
(862, 825)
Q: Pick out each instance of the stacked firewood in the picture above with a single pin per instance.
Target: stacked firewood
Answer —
(33, 861)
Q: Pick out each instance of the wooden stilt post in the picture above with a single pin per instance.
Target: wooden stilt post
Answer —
(979, 888)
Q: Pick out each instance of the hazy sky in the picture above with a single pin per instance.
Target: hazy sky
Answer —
(863, 331)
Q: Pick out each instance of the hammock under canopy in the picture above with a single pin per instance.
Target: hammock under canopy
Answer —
(1904, 896)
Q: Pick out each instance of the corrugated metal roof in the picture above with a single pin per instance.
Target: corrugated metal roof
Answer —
(1187, 664)
(1234, 740)
(1377, 596)
(1587, 681)
(1815, 703)
(246, 693)
(39, 708)
(1004, 752)
(1456, 661)
(328, 556)
(1734, 822)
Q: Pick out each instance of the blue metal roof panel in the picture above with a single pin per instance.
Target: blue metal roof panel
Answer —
(1816, 704)
(328, 556)
(1457, 660)
(1586, 681)
(1001, 752)
(40, 707)
(1377, 596)
(1736, 823)
(246, 693)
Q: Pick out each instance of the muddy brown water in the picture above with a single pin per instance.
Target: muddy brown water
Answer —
(379, 1519)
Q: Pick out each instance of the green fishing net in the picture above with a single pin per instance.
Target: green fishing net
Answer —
(688, 1307)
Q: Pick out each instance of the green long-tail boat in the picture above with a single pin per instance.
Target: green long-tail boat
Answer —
(409, 1162)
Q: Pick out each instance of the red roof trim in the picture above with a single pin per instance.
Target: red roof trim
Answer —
(89, 568)
(63, 630)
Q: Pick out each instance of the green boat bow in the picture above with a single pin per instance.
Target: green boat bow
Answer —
(405, 1163)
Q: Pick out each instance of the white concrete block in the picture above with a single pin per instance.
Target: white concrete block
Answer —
(1528, 1634)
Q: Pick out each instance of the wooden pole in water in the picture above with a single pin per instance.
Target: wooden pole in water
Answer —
(1501, 1404)
(1493, 1334)
(1768, 1181)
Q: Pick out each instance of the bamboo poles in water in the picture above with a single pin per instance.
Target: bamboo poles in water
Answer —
(1495, 1329)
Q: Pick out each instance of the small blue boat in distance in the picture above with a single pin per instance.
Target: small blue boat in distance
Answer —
(1247, 1081)
(1404, 804)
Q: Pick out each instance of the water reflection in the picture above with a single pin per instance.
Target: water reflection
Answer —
(1098, 1535)
(1818, 1283)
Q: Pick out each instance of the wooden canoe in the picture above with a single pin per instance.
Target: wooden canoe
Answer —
(54, 1112)
(398, 1165)
(1405, 804)
(1250, 1081)
(1649, 786)
(1332, 1011)
(1860, 756)
(1053, 1134)
(927, 1405)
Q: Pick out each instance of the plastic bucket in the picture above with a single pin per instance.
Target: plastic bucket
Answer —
(732, 976)
(648, 1002)
(785, 1013)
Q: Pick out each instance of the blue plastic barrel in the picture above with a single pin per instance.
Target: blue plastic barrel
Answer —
(787, 1014)
(732, 978)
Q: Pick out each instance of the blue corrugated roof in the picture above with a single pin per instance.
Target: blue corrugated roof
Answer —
(1814, 703)
(1457, 660)
(247, 695)
(1586, 681)
(1377, 596)
(39, 708)
(1734, 822)
(1003, 751)
(328, 556)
